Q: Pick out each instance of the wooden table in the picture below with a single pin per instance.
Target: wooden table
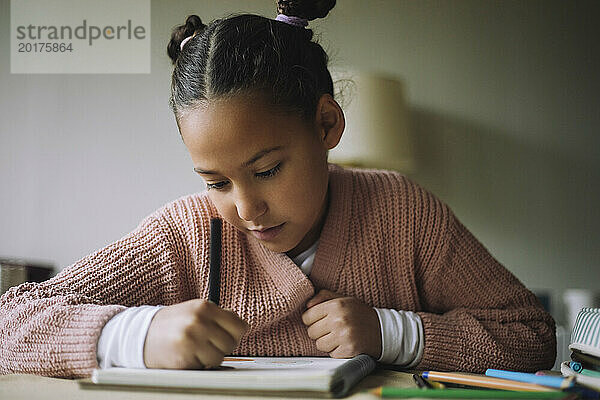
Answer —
(26, 387)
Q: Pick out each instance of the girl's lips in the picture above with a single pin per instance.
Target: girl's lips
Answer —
(268, 234)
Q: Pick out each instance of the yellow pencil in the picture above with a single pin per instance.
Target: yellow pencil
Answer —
(483, 381)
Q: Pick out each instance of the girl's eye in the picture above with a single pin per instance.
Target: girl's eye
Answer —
(263, 175)
(217, 185)
(272, 172)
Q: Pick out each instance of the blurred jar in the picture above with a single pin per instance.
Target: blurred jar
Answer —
(575, 300)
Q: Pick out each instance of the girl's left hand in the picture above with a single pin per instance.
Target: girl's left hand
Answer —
(342, 326)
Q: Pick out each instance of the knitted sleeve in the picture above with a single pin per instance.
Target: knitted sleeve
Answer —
(479, 315)
(52, 328)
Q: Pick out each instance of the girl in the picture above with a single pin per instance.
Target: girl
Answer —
(317, 260)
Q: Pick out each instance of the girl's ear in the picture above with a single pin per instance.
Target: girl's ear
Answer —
(330, 121)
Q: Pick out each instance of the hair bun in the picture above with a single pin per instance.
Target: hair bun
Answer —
(307, 9)
(193, 25)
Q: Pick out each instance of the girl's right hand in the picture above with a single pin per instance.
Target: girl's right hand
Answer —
(191, 335)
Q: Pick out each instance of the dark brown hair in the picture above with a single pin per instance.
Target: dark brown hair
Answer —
(251, 54)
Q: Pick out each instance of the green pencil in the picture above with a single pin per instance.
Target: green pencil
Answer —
(590, 372)
(464, 393)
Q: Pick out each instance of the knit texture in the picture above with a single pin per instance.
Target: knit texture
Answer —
(385, 241)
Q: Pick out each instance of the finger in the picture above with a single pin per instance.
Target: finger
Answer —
(313, 315)
(319, 329)
(206, 330)
(223, 341)
(226, 319)
(340, 352)
(327, 343)
(322, 296)
(209, 356)
(215, 334)
(232, 323)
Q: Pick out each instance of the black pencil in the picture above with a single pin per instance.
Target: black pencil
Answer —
(422, 383)
(214, 279)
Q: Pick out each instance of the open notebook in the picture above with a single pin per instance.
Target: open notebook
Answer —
(327, 376)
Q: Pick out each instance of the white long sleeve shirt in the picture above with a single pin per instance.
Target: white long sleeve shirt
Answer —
(121, 342)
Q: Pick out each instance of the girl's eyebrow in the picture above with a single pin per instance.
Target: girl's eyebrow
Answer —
(251, 161)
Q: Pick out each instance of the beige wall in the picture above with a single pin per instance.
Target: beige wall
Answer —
(504, 99)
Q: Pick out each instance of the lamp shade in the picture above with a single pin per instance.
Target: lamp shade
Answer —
(377, 133)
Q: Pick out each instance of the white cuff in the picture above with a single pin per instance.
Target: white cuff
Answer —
(121, 343)
(401, 337)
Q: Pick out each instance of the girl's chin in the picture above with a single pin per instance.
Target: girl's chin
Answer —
(276, 247)
(279, 247)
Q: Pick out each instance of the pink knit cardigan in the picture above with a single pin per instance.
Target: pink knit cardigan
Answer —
(385, 241)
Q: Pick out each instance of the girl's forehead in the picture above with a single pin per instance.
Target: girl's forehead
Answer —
(233, 130)
(237, 119)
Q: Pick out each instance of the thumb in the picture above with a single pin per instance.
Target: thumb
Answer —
(321, 297)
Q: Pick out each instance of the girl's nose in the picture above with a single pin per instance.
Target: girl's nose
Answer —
(250, 207)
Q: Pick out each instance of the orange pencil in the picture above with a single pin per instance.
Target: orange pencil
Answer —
(483, 381)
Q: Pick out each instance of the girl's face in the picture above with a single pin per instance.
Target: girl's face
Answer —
(265, 172)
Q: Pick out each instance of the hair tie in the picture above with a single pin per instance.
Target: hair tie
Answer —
(184, 41)
(295, 21)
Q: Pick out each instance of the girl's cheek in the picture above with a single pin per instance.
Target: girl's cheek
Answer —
(227, 210)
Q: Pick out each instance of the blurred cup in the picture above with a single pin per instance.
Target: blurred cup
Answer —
(11, 275)
(575, 300)
(15, 271)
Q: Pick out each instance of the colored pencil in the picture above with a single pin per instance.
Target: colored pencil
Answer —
(434, 384)
(578, 367)
(552, 381)
(421, 383)
(483, 381)
(391, 392)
